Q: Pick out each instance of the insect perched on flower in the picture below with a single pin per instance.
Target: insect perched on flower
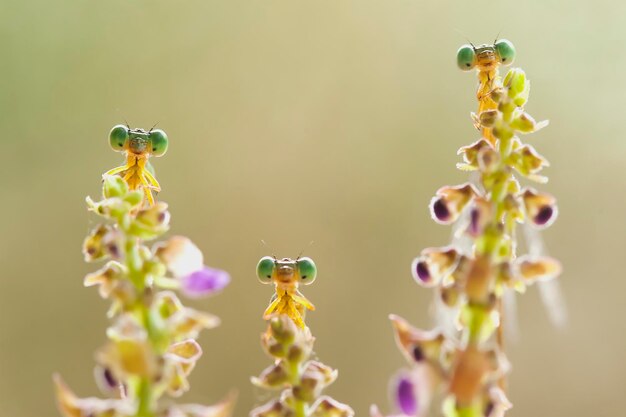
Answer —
(287, 274)
(486, 59)
(138, 146)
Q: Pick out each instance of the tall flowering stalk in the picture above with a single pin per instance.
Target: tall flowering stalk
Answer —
(151, 346)
(288, 341)
(466, 365)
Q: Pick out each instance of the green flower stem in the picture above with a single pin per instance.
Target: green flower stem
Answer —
(145, 399)
(134, 265)
(295, 375)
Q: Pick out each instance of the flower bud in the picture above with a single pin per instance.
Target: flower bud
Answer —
(433, 265)
(450, 296)
(283, 329)
(532, 269)
(126, 327)
(274, 376)
(71, 406)
(176, 380)
(295, 353)
(540, 208)
(458, 276)
(470, 154)
(187, 351)
(328, 407)
(134, 198)
(502, 130)
(496, 94)
(488, 160)
(512, 209)
(488, 118)
(114, 207)
(517, 85)
(187, 323)
(417, 345)
(310, 387)
(328, 374)
(276, 349)
(506, 279)
(105, 277)
(107, 382)
(180, 255)
(151, 222)
(113, 186)
(480, 215)
(523, 123)
(507, 108)
(166, 304)
(101, 243)
(128, 357)
(273, 409)
(449, 201)
(527, 161)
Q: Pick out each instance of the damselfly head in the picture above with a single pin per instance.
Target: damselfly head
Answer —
(485, 57)
(138, 141)
(286, 271)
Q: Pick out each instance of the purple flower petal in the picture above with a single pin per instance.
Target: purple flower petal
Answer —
(405, 396)
(204, 282)
(544, 215)
(440, 210)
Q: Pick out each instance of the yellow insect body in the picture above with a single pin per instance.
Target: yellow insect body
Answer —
(286, 275)
(486, 59)
(488, 81)
(138, 145)
(137, 175)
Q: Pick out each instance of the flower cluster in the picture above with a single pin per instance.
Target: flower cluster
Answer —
(151, 346)
(288, 341)
(300, 379)
(467, 365)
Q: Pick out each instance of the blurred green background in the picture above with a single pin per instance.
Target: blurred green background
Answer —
(331, 121)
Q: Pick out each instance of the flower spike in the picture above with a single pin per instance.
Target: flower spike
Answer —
(464, 360)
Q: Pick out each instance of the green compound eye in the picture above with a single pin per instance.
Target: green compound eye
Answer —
(506, 51)
(265, 269)
(118, 137)
(158, 140)
(466, 57)
(307, 269)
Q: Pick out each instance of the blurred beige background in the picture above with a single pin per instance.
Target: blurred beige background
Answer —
(331, 121)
